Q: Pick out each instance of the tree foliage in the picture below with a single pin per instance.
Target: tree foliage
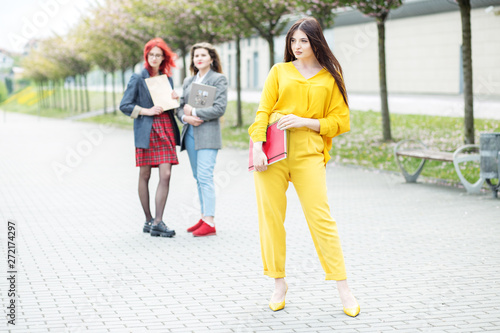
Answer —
(267, 17)
(321, 10)
(378, 9)
(112, 37)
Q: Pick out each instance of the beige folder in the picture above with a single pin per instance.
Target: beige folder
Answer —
(161, 92)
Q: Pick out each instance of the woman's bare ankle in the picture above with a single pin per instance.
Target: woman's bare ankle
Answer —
(279, 290)
(346, 296)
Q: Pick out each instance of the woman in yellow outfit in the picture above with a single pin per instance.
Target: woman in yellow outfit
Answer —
(307, 94)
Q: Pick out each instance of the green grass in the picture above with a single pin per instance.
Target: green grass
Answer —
(237, 137)
(26, 102)
(362, 146)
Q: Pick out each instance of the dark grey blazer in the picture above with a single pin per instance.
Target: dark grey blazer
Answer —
(208, 134)
(137, 94)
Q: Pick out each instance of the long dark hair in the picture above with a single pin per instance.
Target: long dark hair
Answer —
(168, 56)
(216, 65)
(322, 52)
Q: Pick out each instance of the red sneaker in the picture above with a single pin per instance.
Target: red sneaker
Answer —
(204, 230)
(196, 226)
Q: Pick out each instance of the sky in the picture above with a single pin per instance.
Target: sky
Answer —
(21, 20)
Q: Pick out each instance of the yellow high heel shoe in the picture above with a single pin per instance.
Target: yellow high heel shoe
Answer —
(280, 305)
(352, 312)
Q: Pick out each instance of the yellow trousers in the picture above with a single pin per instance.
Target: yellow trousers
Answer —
(305, 168)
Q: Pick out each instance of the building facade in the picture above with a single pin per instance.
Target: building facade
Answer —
(423, 50)
(6, 62)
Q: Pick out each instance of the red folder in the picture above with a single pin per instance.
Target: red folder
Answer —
(274, 147)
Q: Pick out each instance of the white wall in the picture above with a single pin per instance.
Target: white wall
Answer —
(486, 53)
(355, 47)
(249, 46)
(422, 55)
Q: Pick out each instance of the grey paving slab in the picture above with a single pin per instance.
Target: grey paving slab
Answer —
(420, 257)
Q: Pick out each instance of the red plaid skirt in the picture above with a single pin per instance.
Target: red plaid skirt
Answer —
(161, 144)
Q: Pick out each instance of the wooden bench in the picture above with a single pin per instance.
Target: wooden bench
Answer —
(424, 153)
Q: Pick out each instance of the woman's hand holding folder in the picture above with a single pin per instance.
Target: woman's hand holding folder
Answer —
(153, 111)
(259, 158)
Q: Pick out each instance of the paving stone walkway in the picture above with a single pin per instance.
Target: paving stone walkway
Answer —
(420, 257)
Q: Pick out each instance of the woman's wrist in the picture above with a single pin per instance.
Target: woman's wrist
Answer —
(257, 145)
(313, 124)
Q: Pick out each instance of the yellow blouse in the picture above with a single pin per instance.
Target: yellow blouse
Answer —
(286, 91)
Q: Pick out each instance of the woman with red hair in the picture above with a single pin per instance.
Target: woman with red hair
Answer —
(155, 133)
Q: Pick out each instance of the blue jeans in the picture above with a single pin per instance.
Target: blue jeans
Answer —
(202, 163)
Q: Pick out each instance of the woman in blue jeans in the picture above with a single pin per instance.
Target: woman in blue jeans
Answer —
(201, 133)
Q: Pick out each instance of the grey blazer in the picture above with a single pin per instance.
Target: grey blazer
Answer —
(208, 134)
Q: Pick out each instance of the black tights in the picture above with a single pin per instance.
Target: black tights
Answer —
(161, 192)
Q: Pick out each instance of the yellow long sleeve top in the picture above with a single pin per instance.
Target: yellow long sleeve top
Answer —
(286, 91)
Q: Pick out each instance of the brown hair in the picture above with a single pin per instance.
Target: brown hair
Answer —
(322, 52)
(216, 65)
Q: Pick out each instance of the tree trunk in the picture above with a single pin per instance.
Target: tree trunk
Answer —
(57, 85)
(60, 100)
(66, 96)
(87, 98)
(49, 100)
(54, 94)
(46, 97)
(386, 119)
(70, 103)
(270, 41)
(105, 93)
(40, 98)
(82, 102)
(123, 80)
(113, 85)
(239, 117)
(184, 70)
(42, 88)
(52, 87)
(63, 95)
(40, 94)
(76, 95)
(321, 22)
(467, 69)
(49, 95)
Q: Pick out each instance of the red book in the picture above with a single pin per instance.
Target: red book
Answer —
(274, 147)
